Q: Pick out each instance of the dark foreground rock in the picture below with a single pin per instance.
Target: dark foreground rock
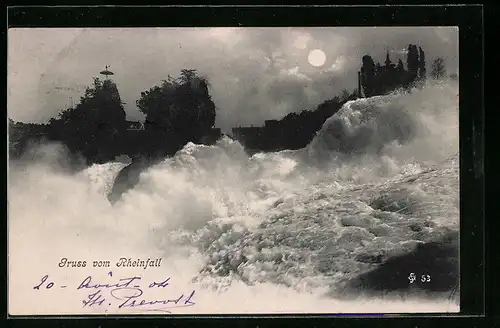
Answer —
(128, 178)
(434, 265)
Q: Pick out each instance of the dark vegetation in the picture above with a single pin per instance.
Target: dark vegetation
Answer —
(180, 110)
(22, 135)
(377, 79)
(437, 259)
(177, 111)
(296, 130)
(95, 126)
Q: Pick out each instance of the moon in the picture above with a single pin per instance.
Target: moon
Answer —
(316, 58)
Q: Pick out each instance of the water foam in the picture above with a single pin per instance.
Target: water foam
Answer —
(283, 229)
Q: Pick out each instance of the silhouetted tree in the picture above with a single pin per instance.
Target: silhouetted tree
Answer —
(378, 68)
(412, 63)
(179, 110)
(377, 80)
(20, 135)
(401, 73)
(438, 68)
(355, 94)
(400, 66)
(368, 76)
(95, 125)
(422, 69)
(345, 95)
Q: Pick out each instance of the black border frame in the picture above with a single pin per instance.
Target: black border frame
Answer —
(469, 19)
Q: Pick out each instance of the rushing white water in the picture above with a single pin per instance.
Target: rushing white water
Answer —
(277, 232)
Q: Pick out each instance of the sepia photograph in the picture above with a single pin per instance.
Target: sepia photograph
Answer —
(233, 170)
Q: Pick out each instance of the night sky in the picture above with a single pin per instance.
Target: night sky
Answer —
(255, 73)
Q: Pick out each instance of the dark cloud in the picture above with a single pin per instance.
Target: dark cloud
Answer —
(256, 73)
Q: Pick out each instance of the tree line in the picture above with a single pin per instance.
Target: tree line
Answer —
(180, 110)
(177, 111)
(376, 79)
(296, 130)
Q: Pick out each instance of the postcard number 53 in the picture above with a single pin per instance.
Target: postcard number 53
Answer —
(425, 278)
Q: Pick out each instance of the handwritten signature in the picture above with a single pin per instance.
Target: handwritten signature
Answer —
(127, 291)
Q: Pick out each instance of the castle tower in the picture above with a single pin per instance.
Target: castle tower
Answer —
(387, 59)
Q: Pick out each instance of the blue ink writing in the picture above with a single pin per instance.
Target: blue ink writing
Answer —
(94, 299)
(124, 283)
(44, 279)
(130, 298)
(159, 284)
(127, 291)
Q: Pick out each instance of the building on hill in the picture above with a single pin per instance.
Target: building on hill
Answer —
(243, 132)
(211, 138)
(271, 124)
(248, 136)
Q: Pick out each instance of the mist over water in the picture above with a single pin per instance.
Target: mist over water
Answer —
(276, 232)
